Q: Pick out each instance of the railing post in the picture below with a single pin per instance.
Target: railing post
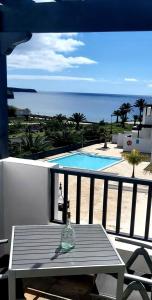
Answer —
(91, 205)
(52, 195)
(78, 199)
(105, 198)
(148, 213)
(119, 201)
(133, 210)
(65, 204)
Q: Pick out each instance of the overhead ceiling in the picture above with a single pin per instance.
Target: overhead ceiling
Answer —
(76, 15)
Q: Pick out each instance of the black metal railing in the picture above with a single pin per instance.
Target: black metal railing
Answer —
(105, 178)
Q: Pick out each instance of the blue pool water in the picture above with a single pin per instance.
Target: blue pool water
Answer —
(86, 161)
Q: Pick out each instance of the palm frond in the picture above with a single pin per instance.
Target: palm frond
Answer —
(148, 169)
(134, 157)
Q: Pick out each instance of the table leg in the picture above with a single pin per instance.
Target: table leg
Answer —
(11, 285)
(120, 282)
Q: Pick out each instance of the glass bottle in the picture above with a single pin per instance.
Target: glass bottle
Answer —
(60, 198)
(67, 236)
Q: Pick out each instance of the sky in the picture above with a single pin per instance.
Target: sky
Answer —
(113, 63)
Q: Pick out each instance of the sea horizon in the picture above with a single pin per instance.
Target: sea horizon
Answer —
(93, 93)
(95, 106)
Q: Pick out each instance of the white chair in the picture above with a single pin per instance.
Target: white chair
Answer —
(137, 286)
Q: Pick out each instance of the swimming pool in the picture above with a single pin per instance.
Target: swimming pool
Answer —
(86, 161)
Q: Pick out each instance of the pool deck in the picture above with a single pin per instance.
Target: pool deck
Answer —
(122, 168)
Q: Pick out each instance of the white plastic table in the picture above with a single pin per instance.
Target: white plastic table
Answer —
(33, 254)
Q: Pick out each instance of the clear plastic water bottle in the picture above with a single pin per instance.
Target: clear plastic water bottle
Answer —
(67, 236)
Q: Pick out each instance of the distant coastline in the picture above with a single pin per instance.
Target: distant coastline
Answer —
(95, 107)
(21, 90)
(96, 94)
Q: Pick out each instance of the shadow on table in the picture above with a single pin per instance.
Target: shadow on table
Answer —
(60, 251)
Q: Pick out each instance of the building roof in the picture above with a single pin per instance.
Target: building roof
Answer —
(140, 126)
(148, 105)
(76, 16)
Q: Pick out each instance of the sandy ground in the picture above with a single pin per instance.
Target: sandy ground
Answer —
(124, 169)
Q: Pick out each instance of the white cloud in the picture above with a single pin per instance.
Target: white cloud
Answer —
(150, 85)
(131, 79)
(44, 77)
(62, 44)
(49, 52)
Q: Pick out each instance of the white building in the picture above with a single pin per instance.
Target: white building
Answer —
(20, 112)
(140, 139)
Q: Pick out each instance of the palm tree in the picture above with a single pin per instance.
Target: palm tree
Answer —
(123, 117)
(117, 113)
(140, 103)
(77, 118)
(136, 117)
(33, 143)
(106, 137)
(60, 118)
(134, 158)
(65, 137)
(126, 108)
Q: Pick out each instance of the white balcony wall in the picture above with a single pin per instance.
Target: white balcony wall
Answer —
(120, 139)
(145, 133)
(134, 134)
(26, 193)
(142, 145)
(144, 116)
(121, 136)
(114, 138)
(148, 120)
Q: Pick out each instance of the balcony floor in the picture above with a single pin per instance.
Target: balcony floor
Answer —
(71, 287)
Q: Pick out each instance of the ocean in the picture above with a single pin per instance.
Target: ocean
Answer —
(95, 107)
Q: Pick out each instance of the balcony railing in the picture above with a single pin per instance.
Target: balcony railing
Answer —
(135, 212)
